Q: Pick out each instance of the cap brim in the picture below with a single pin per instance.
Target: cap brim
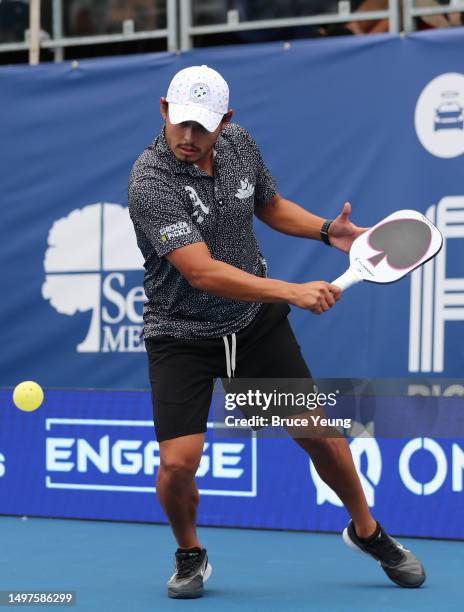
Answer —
(194, 112)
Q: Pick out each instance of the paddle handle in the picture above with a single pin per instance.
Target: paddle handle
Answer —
(347, 279)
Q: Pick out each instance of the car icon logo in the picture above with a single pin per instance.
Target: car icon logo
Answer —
(449, 115)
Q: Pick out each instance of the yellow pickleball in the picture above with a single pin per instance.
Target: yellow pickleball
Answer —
(28, 396)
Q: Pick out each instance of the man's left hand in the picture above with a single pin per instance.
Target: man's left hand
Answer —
(342, 232)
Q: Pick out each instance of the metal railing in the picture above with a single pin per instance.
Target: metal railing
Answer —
(343, 15)
(180, 30)
(58, 42)
(411, 11)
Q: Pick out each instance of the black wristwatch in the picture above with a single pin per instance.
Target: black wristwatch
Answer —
(325, 231)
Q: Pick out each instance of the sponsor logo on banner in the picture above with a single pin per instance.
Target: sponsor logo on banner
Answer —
(439, 116)
(121, 455)
(92, 265)
(414, 451)
(359, 447)
(436, 390)
(2, 465)
(436, 296)
(436, 452)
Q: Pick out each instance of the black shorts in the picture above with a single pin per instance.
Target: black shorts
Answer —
(182, 372)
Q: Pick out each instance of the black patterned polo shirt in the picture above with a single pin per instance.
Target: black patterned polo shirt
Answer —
(174, 203)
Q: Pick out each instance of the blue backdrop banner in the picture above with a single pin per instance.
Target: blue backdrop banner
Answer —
(377, 121)
(91, 454)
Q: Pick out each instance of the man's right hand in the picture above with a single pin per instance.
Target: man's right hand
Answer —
(317, 296)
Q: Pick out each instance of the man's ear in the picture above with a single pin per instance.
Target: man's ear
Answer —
(163, 107)
(226, 119)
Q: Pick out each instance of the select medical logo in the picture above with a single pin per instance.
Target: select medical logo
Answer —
(121, 455)
(436, 296)
(89, 268)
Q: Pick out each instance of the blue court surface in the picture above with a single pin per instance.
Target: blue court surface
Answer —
(122, 567)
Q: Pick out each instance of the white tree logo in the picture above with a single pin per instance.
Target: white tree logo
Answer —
(89, 242)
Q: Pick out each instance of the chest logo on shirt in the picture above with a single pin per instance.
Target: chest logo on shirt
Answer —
(246, 190)
(200, 208)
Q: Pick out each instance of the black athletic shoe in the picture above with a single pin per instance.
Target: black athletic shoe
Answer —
(191, 571)
(397, 562)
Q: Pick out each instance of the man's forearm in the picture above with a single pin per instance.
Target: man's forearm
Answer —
(226, 281)
(289, 218)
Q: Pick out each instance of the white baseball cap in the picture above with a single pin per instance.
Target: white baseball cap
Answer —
(200, 94)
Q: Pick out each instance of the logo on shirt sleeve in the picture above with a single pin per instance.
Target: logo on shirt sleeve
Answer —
(246, 190)
(175, 230)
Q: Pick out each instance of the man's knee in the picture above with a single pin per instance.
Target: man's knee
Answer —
(179, 467)
(180, 457)
(317, 445)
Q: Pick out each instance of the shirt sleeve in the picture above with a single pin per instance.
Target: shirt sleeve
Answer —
(160, 213)
(265, 188)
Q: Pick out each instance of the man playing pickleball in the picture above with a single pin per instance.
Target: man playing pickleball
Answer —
(212, 312)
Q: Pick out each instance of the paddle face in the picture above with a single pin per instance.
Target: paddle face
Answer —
(391, 249)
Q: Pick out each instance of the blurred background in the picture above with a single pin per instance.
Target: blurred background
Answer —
(72, 29)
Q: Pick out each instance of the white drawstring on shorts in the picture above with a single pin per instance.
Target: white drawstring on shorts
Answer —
(230, 358)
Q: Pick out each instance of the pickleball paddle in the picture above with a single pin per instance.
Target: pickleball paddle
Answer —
(395, 246)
